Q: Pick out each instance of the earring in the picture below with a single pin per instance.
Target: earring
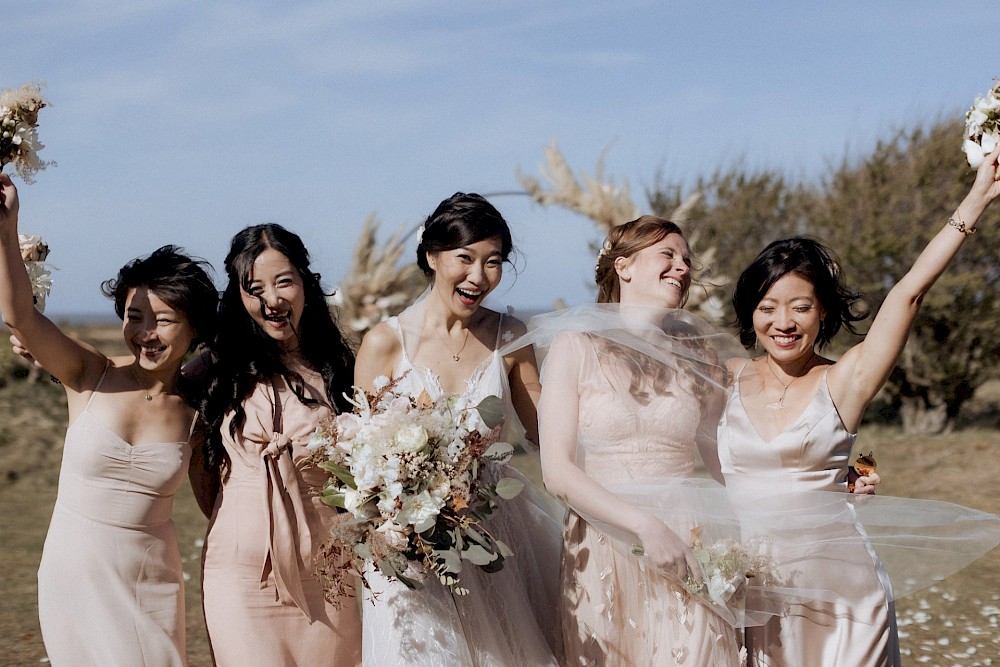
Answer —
(627, 277)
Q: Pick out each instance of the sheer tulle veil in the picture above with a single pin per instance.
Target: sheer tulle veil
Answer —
(638, 352)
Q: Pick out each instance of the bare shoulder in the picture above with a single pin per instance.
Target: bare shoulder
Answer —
(380, 340)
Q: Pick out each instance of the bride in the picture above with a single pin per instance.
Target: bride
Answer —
(448, 342)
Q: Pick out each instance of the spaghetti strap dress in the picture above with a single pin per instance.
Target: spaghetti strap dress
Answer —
(858, 627)
(507, 619)
(263, 603)
(110, 583)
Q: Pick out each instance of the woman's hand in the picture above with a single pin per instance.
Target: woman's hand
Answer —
(20, 350)
(864, 484)
(9, 203)
(667, 552)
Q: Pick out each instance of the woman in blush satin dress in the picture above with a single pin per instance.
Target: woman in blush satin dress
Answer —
(787, 432)
(281, 367)
(448, 342)
(631, 387)
(110, 583)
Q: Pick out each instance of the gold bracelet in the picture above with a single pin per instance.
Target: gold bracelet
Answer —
(960, 226)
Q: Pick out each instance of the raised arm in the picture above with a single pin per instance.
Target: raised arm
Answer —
(558, 417)
(862, 370)
(75, 365)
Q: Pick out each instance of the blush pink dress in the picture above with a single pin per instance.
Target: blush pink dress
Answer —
(263, 602)
(614, 610)
(110, 583)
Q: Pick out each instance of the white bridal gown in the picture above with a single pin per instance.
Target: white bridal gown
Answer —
(507, 618)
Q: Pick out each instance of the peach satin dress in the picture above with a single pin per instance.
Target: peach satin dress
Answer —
(263, 602)
(859, 627)
(110, 583)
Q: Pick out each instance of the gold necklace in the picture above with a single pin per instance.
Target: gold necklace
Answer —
(454, 355)
(780, 403)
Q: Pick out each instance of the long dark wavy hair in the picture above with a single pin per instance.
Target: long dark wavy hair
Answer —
(814, 262)
(185, 284)
(246, 356)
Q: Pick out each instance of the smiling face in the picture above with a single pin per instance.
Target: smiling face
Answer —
(787, 320)
(464, 276)
(274, 296)
(158, 335)
(658, 275)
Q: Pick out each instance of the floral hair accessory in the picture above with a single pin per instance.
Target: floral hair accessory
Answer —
(19, 142)
(420, 234)
(982, 126)
(605, 250)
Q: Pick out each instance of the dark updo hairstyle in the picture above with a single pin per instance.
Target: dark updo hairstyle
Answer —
(183, 283)
(460, 220)
(814, 262)
(624, 241)
(246, 356)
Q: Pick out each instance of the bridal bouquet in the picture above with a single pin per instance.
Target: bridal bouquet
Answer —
(726, 567)
(34, 251)
(412, 474)
(982, 126)
(19, 142)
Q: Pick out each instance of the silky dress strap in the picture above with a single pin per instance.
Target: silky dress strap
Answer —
(288, 532)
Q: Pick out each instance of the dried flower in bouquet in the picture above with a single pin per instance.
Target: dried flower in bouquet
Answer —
(34, 252)
(982, 126)
(19, 144)
(418, 478)
(726, 566)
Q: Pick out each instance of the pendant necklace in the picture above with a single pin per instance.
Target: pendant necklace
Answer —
(454, 355)
(780, 403)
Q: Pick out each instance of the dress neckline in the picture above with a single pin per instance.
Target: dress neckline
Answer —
(820, 386)
(123, 441)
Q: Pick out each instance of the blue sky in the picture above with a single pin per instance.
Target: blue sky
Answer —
(181, 121)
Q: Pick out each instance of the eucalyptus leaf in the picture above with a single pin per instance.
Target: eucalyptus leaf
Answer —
(478, 555)
(340, 472)
(478, 537)
(504, 550)
(499, 452)
(333, 499)
(491, 411)
(451, 560)
(508, 487)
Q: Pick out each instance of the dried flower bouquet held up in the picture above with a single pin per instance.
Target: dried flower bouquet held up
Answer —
(19, 144)
(417, 477)
(982, 126)
(34, 251)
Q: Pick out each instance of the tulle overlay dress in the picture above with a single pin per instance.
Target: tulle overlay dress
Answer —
(506, 619)
(110, 583)
(846, 557)
(615, 609)
(263, 602)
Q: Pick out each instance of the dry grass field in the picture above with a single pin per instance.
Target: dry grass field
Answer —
(956, 622)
